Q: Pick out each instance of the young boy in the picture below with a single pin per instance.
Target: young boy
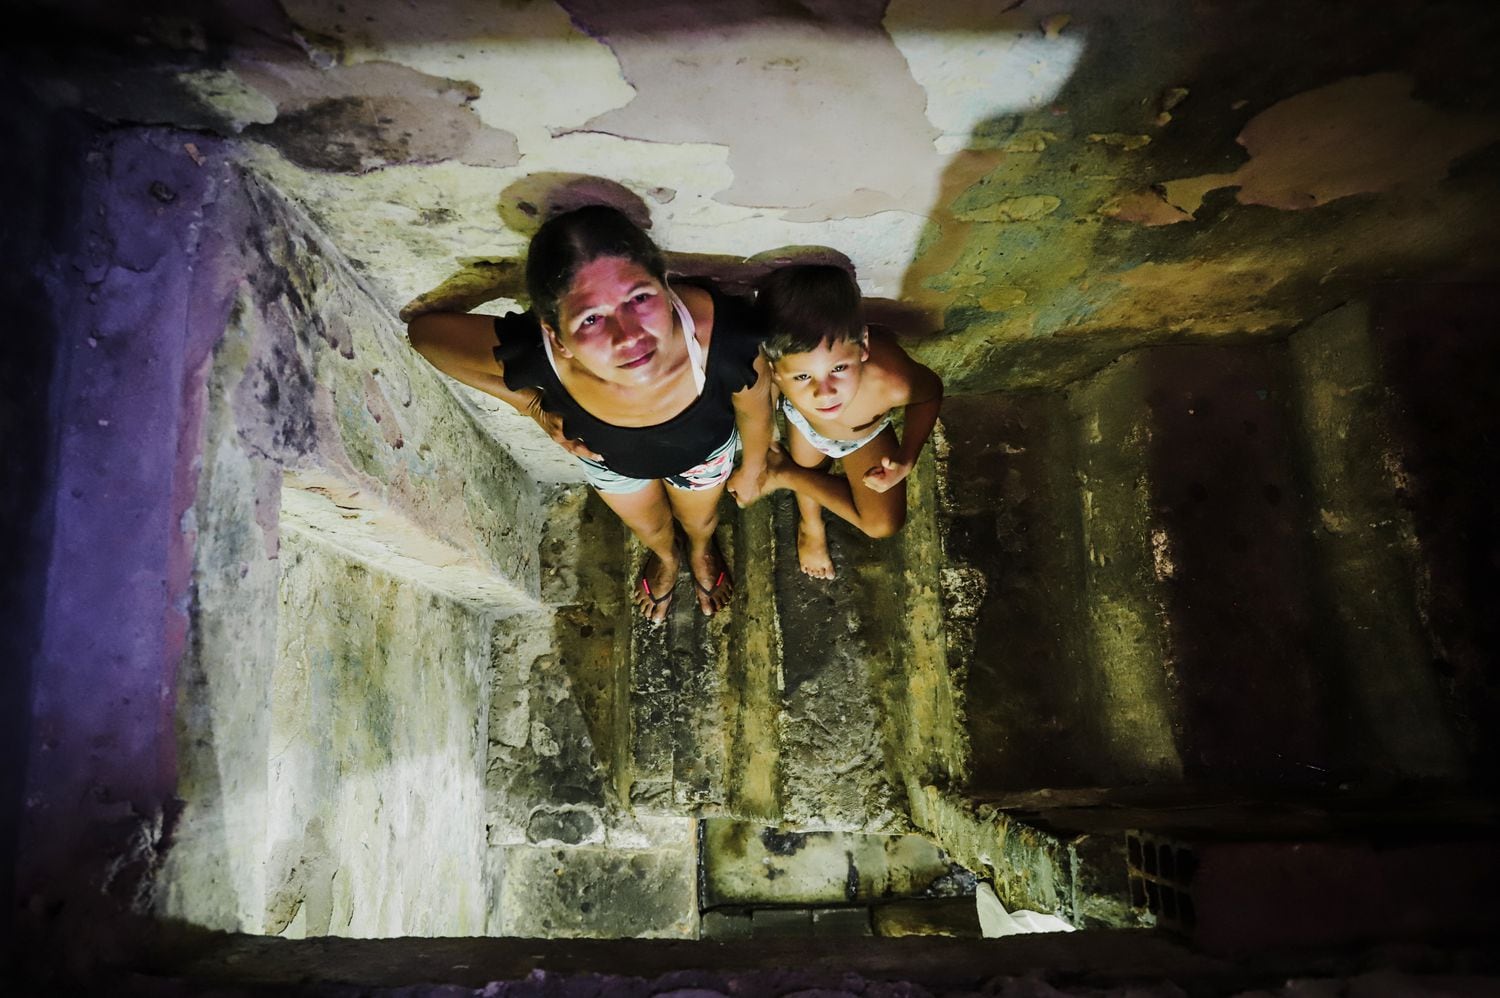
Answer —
(838, 382)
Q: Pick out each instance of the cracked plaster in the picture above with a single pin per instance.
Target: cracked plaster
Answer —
(857, 125)
(1362, 135)
(1008, 173)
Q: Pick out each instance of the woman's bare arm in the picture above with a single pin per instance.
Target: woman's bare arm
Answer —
(462, 346)
(752, 415)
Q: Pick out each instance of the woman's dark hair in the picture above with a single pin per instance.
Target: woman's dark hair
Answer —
(569, 241)
(804, 306)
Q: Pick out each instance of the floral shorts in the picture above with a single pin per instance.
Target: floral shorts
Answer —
(715, 469)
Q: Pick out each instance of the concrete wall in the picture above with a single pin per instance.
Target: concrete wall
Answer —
(316, 413)
(1237, 574)
(376, 808)
(43, 148)
(262, 690)
(101, 783)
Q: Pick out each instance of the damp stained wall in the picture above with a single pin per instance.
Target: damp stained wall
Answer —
(1040, 185)
(1036, 190)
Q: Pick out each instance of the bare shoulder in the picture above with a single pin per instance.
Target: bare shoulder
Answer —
(700, 305)
(895, 373)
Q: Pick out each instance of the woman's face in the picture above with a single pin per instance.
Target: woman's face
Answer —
(616, 322)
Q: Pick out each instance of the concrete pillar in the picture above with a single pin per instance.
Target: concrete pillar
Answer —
(1388, 710)
(1124, 613)
(1013, 587)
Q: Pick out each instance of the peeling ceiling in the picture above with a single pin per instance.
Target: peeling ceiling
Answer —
(1034, 186)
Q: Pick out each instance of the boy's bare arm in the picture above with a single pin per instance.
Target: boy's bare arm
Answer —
(916, 387)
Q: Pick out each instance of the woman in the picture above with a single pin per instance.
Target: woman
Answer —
(652, 389)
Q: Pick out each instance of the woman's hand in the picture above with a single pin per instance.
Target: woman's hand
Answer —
(748, 483)
(552, 425)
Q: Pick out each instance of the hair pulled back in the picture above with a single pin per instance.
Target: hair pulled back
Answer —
(565, 243)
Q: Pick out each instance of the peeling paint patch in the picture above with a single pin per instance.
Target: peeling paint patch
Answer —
(1029, 140)
(238, 103)
(1362, 135)
(358, 134)
(1144, 208)
(1120, 140)
(1001, 297)
(1027, 208)
(353, 119)
(532, 69)
(809, 110)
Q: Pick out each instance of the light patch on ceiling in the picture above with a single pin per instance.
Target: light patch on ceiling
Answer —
(809, 112)
(695, 222)
(1002, 63)
(536, 72)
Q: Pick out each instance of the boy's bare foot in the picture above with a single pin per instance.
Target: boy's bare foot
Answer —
(653, 590)
(711, 578)
(812, 551)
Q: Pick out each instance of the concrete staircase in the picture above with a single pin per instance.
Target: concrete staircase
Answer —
(1213, 594)
(1202, 594)
(796, 707)
(1201, 566)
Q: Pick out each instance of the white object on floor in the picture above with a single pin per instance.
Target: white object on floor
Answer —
(995, 921)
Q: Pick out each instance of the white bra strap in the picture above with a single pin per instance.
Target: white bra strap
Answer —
(547, 347)
(694, 348)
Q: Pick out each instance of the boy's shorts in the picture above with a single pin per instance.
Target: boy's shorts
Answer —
(714, 471)
(827, 445)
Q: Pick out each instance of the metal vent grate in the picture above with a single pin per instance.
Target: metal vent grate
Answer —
(1161, 875)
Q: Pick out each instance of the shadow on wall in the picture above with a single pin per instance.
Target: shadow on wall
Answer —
(1000, 267)
(27, 364)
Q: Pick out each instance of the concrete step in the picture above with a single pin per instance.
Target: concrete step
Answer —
(835, 653)
(679, 702)
(601, 891)
(798, 705)
(748, 865)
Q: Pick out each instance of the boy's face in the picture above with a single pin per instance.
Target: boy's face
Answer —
(822, 381)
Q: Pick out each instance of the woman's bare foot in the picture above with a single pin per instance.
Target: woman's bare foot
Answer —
(812, 549)
(711, 577)
(653, 590)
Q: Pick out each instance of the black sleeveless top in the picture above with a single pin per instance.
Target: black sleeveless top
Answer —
(668, 448)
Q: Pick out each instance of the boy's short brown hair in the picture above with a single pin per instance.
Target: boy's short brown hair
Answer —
(804, 306)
